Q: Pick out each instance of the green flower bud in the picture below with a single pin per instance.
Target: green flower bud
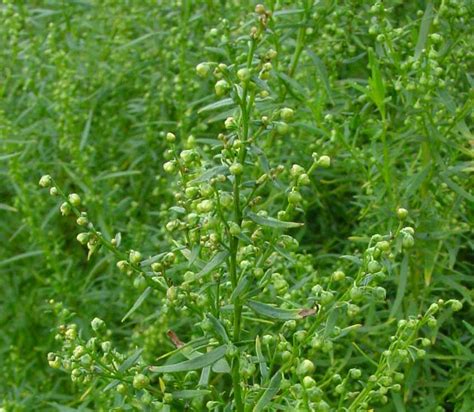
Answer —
(169, 167)
(74, 199)
(408, 241)
(355, 373)
(203, 69)
(243, 74)
(65, 208)
(170, 137)
(282, 128)
(45, 181)
(304, 180)
(309, 382)
(294, 197)
(97, 325)
(287, 114)
(338, 276)
(221, 87)
(234, 229)
(205, 206)
(306, 367)
(373, 266)
(121, 388)
(402, 213)
(135, 257)
(324, 161)
(140, 381)
(53, 191)
(456, 305)
(236, 169)
(83, 238)
(229, 123)
(296, 170)
(122, 265)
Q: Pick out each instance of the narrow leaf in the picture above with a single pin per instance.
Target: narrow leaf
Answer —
(275, 312)
(402, 284)
(270, 392)
(424, 30)
(137, 303)
(213, 263)
(131, 360)
(198, 362)
(272, 222)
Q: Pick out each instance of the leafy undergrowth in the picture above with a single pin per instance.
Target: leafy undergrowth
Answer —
(251, 207)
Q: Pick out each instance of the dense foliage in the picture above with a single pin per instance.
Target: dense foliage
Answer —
(251, 207)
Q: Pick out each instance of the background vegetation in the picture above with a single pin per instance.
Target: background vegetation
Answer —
(89, 91)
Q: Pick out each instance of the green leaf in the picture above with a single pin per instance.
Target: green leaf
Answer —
(218, 328)
(138, 303)
(215, 262)
(424, 30)
(402, 284)
(20, 257)
(86, 131)
(376, 84)
(190, 393)
(270, 392)
(131, 360)
(262, 363)
(323, 73)
(278, 313)
(217, 170)
(198, 362)
(217, 105)
(272, 222)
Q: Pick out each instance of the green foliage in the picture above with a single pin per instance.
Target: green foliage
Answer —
(264, 207)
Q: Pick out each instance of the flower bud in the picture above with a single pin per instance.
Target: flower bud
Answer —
(170, 137)
(205, 206)
(236, 169)
(203, 69)
(65, 208)
(229, 123)
(140, 381)
(402, 213)
(83, 238)
(221, 87)
(169, 167)
(97, 325)
(306, 367)
(287, 114)
(45, 181)
(324, 161)
(53, 191)
(294, 197)
(135, 257)
(74, 199)
(244, 74)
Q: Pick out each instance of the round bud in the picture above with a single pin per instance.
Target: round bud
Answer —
(202, 69)
(229, 123)
(402, 213)
(456, 305)
(53, 191)
(296, 170)
(408, 241)
(74, 199)
(282, 128)
(97, 325)
(355, 373)
(169, 167)
(170, 137)
(294, 197)
(83, 238)
(236, 169)
(221, 87)
(244, 74)
(135, 257)
(45, 181)
(287, 114)
(338, 275)
(306, 367)
(260, 9)
(205, 206)
(65, 208)
(324, 161)
(140, 381)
